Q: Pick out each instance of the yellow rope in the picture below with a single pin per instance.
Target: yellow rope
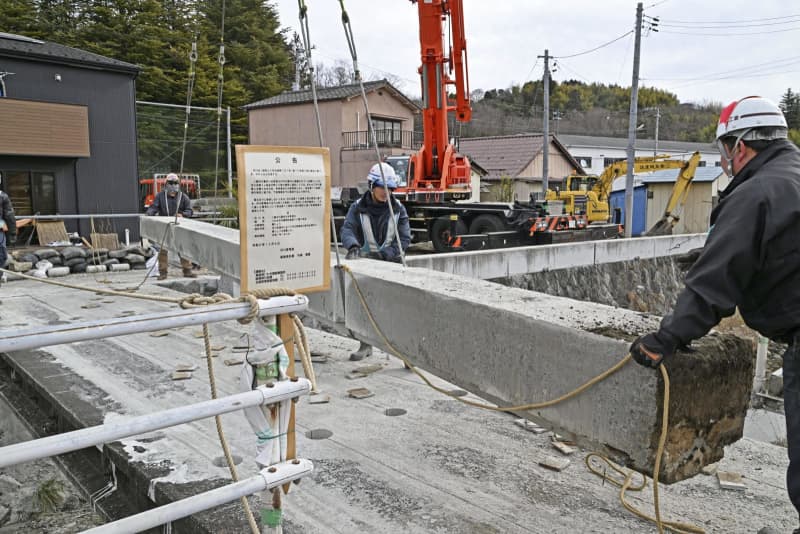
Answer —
(679, 528)
(221, 434)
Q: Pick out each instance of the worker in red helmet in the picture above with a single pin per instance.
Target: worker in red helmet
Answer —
(751, 258)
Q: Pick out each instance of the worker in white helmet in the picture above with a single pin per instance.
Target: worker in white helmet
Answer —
(751, 258)
(368, 230)
(168, 203)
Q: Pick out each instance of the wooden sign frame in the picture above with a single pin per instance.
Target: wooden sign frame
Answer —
(244, 179)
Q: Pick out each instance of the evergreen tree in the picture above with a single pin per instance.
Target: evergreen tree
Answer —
(790, 105)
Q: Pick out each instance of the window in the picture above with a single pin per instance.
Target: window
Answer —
(717, 164)
(611, 161)
(585, 161)
(31, 192)
(702, 163)
(388, 131)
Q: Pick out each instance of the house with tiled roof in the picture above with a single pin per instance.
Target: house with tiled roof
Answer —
(518, 158)
(289, 119)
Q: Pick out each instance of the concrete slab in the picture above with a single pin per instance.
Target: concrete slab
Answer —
(516, 347)
(442, 467)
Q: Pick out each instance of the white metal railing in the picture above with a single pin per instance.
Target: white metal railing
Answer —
(43, 336)
(271, 477)
(271, 394)
(118, 429)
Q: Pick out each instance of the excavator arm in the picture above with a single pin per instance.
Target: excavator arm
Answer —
(677, 198)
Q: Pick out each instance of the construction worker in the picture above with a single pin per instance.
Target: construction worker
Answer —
(167, 203)
(8, 227)
(751, 258)
(368, 230)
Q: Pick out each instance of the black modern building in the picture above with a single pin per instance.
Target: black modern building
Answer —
(67, 131)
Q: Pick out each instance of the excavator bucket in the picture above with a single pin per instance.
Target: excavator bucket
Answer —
(662, 227)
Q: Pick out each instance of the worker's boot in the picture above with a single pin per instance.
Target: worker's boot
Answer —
(186, 265)
(163, 264)
(364, 351)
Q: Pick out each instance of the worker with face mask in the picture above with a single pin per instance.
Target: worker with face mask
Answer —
(168, 203)
(368, 230)
(751, 258)
(8, 228)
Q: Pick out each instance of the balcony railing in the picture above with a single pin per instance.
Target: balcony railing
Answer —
(386, 138)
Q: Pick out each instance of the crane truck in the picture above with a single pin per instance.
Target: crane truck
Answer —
(437, 177)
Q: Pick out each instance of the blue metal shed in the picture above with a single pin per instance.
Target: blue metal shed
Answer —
(617, 201)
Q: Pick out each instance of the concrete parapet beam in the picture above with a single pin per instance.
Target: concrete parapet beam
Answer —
(501, 263)
(513, 346)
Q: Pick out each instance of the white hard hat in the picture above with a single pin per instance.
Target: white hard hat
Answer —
(172, 177)
(752, 118)
(375, 178)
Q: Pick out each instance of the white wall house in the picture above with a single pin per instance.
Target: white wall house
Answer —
(596, 153)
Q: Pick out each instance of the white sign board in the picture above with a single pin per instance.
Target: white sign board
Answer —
(284, 217)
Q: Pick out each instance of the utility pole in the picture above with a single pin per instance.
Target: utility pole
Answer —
(546, 126)
(658, 117)
(632, 124)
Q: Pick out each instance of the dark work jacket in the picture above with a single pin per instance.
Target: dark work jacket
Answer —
(751, 258)
(353, 234)
(8, 214)
(165, 205)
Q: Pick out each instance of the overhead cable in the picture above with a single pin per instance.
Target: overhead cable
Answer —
(595, 48)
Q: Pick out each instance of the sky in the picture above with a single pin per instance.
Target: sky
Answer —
(705, 50)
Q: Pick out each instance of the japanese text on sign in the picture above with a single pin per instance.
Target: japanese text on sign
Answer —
(284, 208)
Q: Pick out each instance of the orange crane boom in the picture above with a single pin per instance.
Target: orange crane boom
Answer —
(437, 168)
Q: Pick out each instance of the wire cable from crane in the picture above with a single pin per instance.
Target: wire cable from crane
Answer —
(189, 92)
(351, 45)
(306, 36)
(220, 88)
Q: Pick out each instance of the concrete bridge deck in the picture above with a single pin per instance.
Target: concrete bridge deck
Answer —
(441, 467)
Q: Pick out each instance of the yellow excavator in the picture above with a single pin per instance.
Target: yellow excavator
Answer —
(589, 193)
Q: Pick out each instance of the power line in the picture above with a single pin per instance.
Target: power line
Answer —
(728, 26)
(730, 21)
(595, 48)
(731, 34)
(767, 64)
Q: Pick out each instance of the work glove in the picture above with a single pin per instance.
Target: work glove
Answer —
(353, 253)
(650, 350)
(376, 255)
(687, 259)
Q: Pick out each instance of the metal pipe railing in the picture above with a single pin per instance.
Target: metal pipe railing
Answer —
(43, 336)
(269, 478)
(118, 429)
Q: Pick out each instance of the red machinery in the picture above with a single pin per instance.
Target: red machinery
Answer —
(437, 172)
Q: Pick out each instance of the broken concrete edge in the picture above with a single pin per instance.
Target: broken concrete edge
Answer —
(134, 478)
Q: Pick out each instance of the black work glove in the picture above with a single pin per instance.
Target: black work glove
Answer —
(353, 253)
(687, 259)
(376, 255)
(651, 350)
